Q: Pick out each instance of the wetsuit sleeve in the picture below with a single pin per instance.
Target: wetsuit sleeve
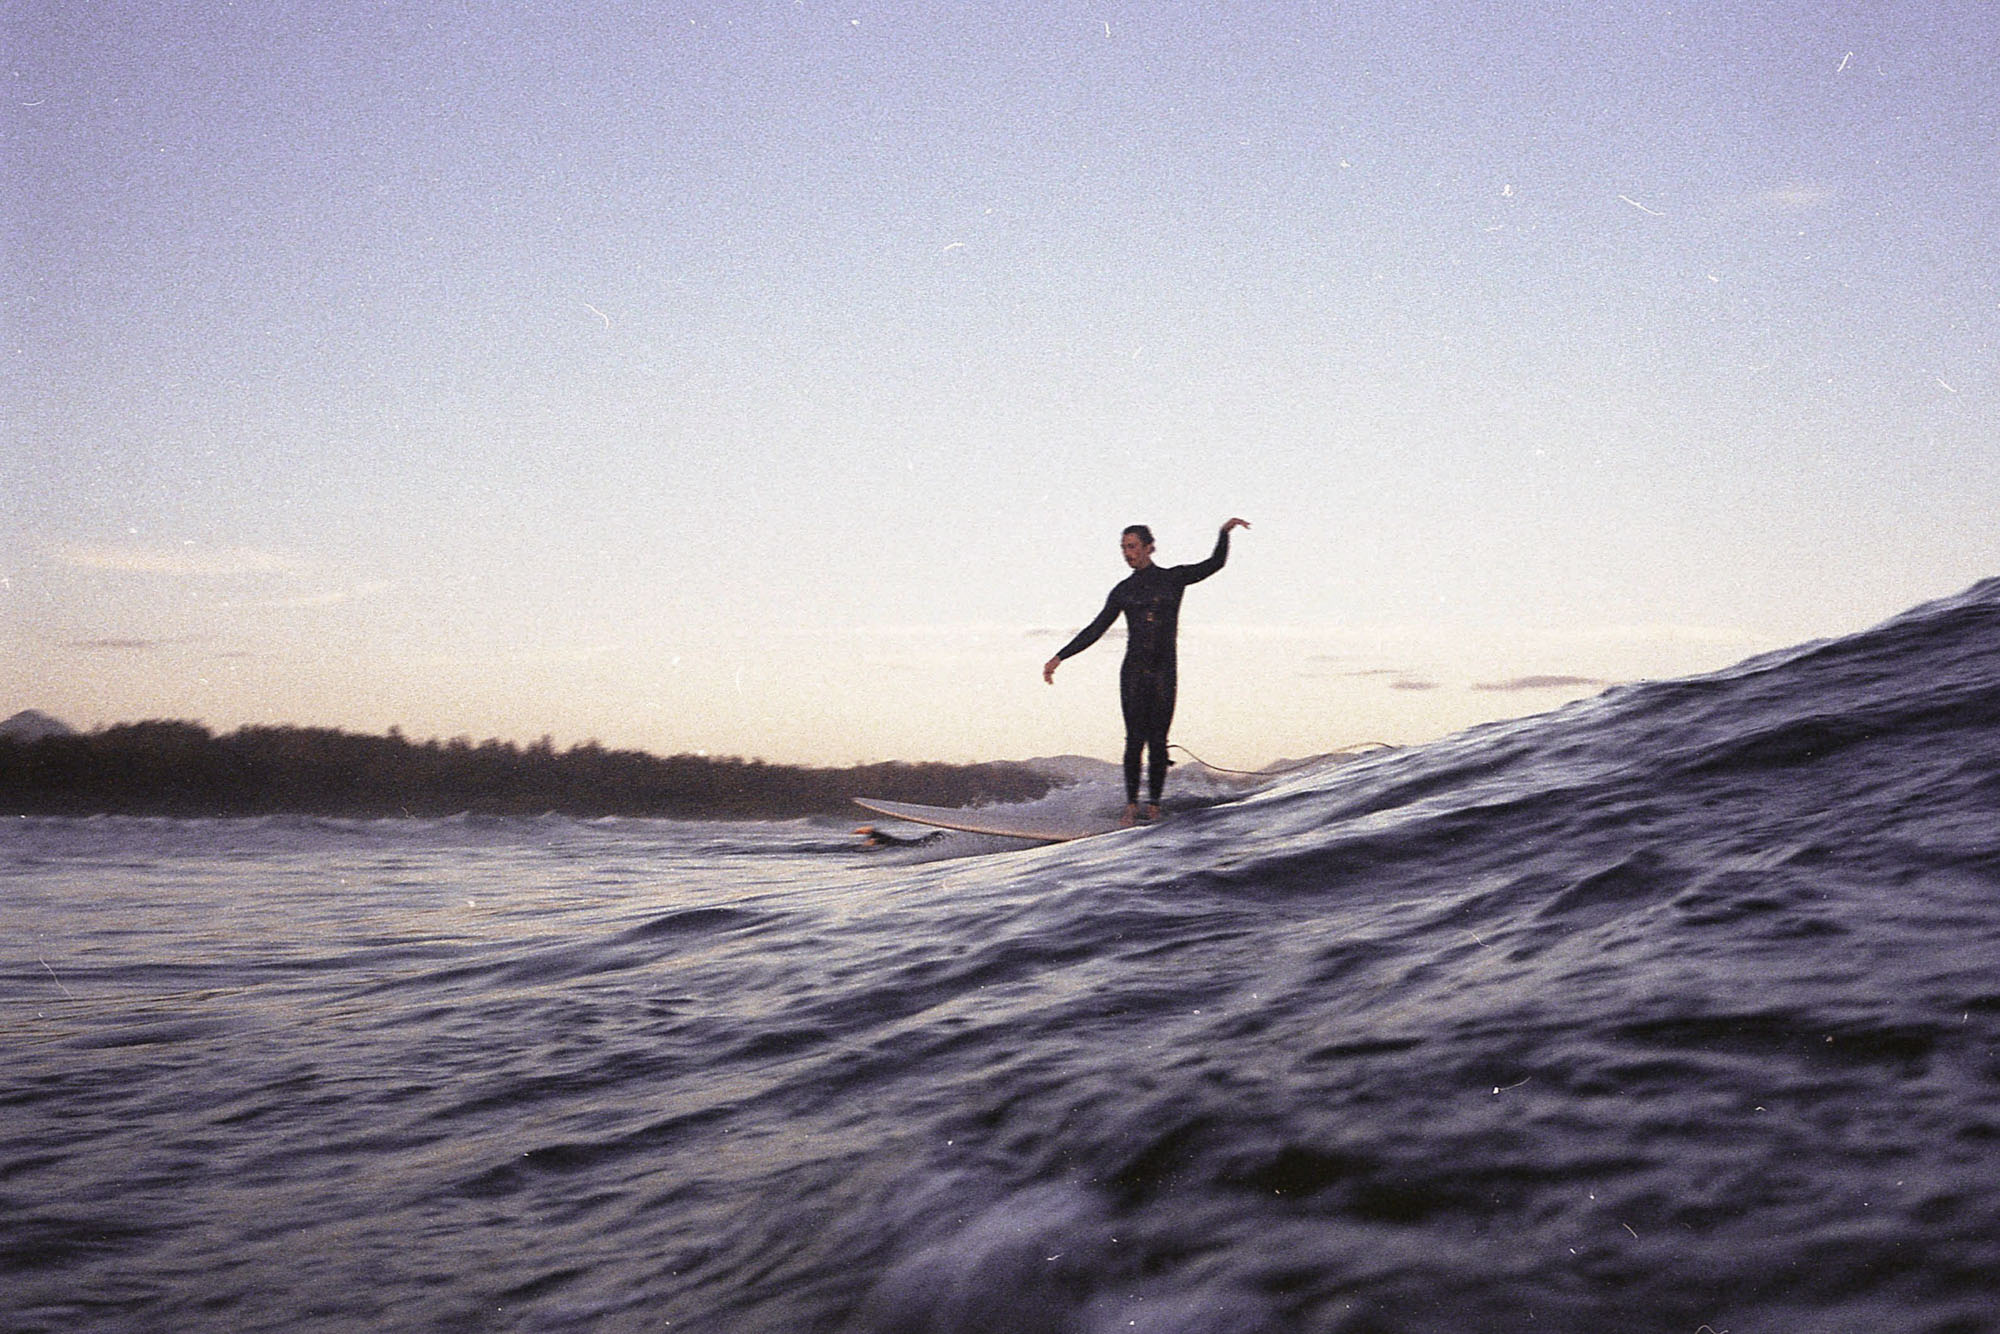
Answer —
(1091, 633)
(1200, 570)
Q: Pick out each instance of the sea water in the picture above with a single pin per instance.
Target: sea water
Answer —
(1677, 1009)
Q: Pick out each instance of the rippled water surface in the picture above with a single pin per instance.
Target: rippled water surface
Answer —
(1677, 1008)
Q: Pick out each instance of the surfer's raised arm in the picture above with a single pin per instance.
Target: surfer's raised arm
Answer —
(1200, 570)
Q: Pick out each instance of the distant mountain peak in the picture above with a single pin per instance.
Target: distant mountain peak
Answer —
(33, 725)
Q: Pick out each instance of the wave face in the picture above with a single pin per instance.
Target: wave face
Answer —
(1678, 1007)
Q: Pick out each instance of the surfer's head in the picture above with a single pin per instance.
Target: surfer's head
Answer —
(1137, 544)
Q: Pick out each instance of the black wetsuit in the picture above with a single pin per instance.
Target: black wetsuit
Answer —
(1151, 601)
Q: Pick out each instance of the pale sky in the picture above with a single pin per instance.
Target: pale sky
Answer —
(774, 378)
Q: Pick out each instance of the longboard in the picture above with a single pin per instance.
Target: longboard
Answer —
(1015, 822)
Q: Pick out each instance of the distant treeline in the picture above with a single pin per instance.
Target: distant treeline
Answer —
(181, 768)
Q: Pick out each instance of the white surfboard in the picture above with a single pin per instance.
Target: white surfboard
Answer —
(1008, 822)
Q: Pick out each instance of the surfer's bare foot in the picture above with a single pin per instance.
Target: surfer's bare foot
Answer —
(1130, 817)
(1152, 814)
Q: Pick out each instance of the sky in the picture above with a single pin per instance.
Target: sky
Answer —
(774, 378)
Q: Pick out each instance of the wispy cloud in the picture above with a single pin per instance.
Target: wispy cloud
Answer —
(305, 601)
(571, 656)
(1395, 678)
(1399, 678)
(1541, 683)
(1656, 632)
(1793, 198)
(333, 597)
(186, 558)
(117, 645)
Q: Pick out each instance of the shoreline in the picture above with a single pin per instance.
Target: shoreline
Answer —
(181, 769)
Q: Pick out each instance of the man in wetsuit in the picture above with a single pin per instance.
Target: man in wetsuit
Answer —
(1150, 598)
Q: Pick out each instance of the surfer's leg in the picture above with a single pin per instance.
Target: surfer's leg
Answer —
(1156, 767)
(1156, 739)
(1132, 693)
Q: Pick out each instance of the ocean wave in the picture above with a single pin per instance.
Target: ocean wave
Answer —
(1676, 1007)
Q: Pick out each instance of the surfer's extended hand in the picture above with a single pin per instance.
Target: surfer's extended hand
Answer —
(1049, 670)
(1235, 523)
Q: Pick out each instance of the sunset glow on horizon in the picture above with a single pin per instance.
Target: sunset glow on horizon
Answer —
(774, 379)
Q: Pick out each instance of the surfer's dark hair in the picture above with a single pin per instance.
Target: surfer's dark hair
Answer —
(1140, 531)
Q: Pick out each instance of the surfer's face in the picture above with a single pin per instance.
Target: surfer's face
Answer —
(1138, 554)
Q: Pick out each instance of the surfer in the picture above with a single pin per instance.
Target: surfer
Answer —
(1150, 598)
(875, 838)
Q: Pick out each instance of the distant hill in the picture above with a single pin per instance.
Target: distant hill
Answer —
(176, 767)
(33, 725)
(169, 767)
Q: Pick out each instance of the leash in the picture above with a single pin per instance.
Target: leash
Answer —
(1358, 748)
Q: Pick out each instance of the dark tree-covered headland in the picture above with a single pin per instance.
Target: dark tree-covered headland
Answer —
(181, 768)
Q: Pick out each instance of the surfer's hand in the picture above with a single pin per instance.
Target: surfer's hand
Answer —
(1049, 670)
(1235, 523)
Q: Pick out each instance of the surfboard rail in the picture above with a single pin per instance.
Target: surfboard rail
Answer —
(1038, 826)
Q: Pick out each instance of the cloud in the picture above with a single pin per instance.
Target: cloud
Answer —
(1541, 683)
(1400, 678)
(305, 601)
(1793, 198)
(1396, 678)
(185, 559)
(500, 659)
(331, 598)
(128, 645)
